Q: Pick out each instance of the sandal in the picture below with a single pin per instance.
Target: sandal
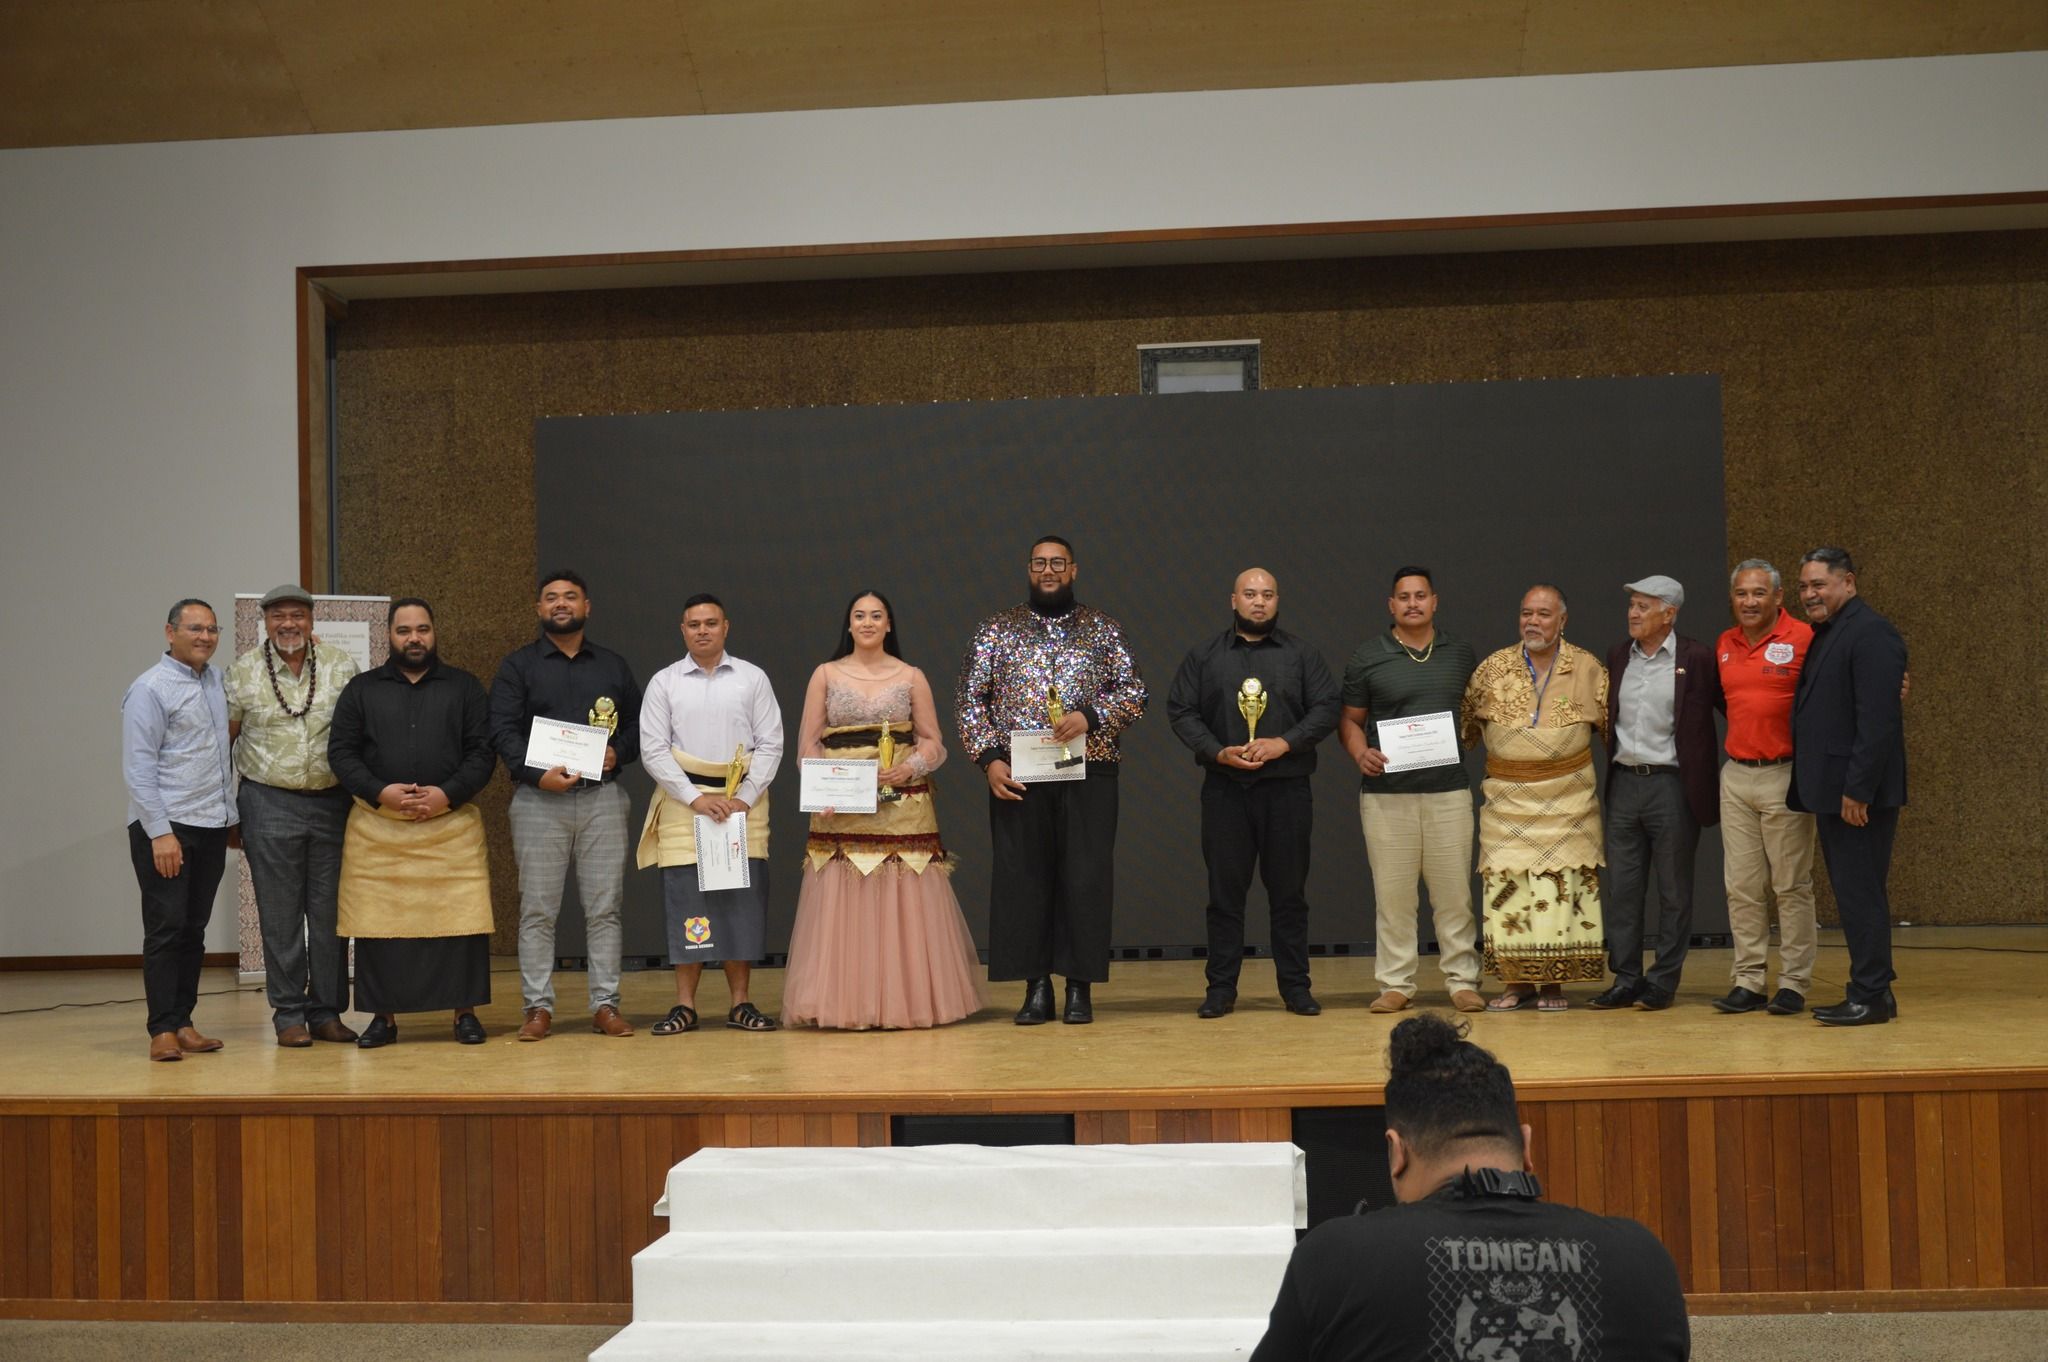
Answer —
(747, 1017)
(678, 1020)
(1514, 1000)
(1552, 1002)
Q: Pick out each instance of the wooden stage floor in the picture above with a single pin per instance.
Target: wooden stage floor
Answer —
(1787, 1165)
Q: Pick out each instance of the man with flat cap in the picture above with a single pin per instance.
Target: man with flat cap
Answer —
(281, 698)
(1662, 788)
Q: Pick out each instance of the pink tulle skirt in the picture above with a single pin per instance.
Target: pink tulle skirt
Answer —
(887, 950)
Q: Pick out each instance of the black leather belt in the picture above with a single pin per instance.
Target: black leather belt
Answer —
(1759, 761)
(1636, 770)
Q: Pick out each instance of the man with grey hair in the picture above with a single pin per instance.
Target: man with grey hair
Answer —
(1767, 845)
(1661, 790)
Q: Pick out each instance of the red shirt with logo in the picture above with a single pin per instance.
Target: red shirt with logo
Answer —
(1758, 680)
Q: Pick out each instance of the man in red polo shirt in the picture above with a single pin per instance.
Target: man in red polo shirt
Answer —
(1765, 845)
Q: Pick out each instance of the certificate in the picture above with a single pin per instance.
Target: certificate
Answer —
(578, 747)
(1420, 741)
(841, 786)
(1034, 756)
(722, 853)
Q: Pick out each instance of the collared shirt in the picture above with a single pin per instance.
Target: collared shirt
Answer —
(1388, 681)
(392, 731)
(174, 749)
(1301, 700)
(274, 748)
(540, 681)
(707, 714)
(1017, 655)
(1645, 727)
(1759, 681)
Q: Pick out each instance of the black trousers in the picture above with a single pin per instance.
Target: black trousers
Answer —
(175, 912)
(1859, 861)
(1648, 824)
(1263, 824)
(1054, 855)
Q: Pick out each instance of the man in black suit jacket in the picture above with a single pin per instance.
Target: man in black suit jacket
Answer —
(1662, 788)
(1849, 769)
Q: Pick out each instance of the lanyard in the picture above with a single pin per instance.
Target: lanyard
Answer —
(1544, 690)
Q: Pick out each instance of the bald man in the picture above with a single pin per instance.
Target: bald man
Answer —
(1251, 703)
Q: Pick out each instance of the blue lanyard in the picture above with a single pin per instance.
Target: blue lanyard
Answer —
(1548, 677)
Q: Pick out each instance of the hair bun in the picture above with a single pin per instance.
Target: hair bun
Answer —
(1424, 1042)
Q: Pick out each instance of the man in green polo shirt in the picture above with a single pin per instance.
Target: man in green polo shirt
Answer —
(1418, 823)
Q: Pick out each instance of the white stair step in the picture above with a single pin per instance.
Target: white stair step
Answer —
(1093, 1340)
(974, 1187)
(961, 1275)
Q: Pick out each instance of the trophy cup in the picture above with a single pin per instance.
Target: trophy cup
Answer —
(734, 769)
(1054, 712)
(605, 714)
(885, 756)
(1251, 703)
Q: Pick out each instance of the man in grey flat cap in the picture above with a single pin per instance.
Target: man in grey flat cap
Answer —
(281, 697)
(1662, 788)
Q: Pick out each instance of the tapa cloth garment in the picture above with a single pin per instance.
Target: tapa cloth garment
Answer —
(669, 836)
(414, 879)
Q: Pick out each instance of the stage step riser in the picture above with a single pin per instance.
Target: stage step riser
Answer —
(1114, 1340)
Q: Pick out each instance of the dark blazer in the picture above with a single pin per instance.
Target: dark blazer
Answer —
(1696, 694)
(1847, 734)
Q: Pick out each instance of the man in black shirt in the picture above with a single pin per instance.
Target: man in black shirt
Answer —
(559, 817)
(1471, 1265)
(1256, 804)
(411, 740)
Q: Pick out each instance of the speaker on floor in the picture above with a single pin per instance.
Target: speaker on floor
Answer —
(1345, 1151)
(998, 1131)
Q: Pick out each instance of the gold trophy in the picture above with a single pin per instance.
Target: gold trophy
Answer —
(1054, 712)
(605, 714)
(885, 757)
(1251, 703)
(734, 769)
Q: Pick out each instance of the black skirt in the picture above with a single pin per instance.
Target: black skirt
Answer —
(422, 974)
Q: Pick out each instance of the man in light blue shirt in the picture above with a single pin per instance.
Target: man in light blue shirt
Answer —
(181, 808)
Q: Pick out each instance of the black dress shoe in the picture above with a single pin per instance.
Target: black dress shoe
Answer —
(1618, 994)
(1080, 1007)
(1654, 999)
(1786, 1003)
(378, 1032)
(1037, 1009)
(1739, 999)
(1216, 1005)
(1849, 1012)
(1303, 1004)
(469, 1030)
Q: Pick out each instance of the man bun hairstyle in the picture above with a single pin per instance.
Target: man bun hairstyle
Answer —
(1442, 1089)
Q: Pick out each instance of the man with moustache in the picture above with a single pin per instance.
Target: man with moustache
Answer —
(706, 719)
(412, 742)
(281, 699)
(181, 806)
(559, 818)
(1053, 847)
(1663, 689)
(1257, 808)
(1849, 769)
(1536, 707)
(1418, 824)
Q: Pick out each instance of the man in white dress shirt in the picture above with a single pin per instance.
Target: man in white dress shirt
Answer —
(703, 718)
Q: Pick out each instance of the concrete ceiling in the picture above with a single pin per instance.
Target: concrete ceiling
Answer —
(79, 72)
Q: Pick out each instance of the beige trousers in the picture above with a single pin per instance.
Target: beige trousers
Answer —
(1421, 837)
(1767, 846)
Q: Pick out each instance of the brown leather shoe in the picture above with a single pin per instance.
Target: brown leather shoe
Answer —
(192, 1043)
(295, 1038)
(1390, 1001)
(538, 1021)
(336, 1030)
(606, 1021)
(1468, 1000)
(163, 1048)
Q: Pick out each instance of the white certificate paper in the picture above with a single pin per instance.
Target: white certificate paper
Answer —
(579, 747)
(722, 853)
(842, 786)
(1034, 757)
(1420, 741)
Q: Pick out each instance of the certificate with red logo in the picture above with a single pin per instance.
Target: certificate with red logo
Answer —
(1420, 741)
(841, 786)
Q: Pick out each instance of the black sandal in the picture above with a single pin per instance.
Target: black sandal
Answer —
(747, 1017)
(678, 1020)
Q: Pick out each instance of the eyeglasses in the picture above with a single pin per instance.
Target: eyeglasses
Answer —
(1051, 564)
(200, 628)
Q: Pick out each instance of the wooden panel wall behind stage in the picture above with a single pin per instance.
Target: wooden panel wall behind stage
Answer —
(1887, 393)
(1793, 1201)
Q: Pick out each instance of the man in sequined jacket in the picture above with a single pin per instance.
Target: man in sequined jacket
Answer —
(1053, 843)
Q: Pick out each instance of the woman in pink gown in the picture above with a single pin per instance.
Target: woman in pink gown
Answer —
(879, 940)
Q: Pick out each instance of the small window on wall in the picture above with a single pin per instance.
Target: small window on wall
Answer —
(1199, 367)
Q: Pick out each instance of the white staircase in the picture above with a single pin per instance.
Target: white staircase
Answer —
(1153, 1253)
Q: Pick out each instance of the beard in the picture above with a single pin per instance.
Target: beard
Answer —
(572, 626)
(1256, 628)
(420, 662)
(288, 645)
(1055, 602)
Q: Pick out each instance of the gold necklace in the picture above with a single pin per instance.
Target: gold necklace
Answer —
(1409, 653)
